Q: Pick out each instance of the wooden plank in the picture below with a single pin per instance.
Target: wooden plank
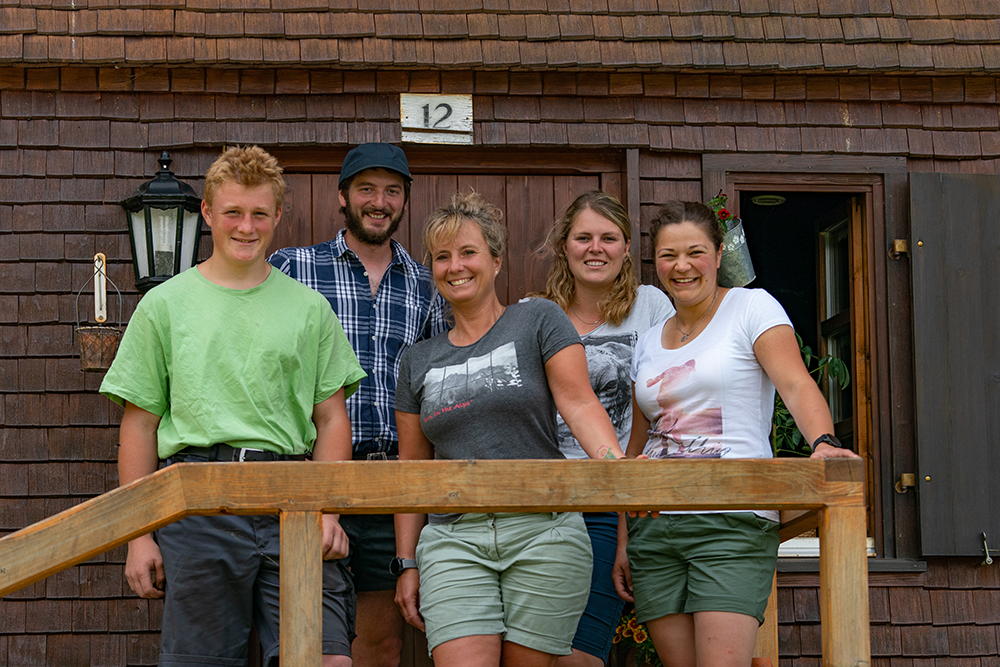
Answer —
(767, 634)
(832, 164)
(301, 591)
(529, 208)
(427, 193)
(843, 581)
(462, 160)
(796, 522)
(899, 392)
(295, 226)
(455, 486)
(90, 528)
(633, 204)
(326, 217)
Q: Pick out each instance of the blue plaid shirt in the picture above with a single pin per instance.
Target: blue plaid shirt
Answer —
(406, 309)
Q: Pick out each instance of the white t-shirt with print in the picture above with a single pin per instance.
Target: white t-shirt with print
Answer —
(711, 398)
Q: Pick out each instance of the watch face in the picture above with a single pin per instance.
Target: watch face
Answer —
(396, 566)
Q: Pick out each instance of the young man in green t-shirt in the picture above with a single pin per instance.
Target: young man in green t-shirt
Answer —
(233, 361)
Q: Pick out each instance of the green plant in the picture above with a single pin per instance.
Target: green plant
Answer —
(786, 439)
(718, 204)
(635, 634)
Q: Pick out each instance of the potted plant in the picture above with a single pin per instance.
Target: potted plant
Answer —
(736, 269)
(786, 439)
(633, 645)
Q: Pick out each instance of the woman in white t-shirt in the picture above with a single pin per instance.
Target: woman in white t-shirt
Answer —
(703, 386)
(593, 279)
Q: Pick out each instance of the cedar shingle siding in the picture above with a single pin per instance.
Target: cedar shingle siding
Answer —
(91, 90)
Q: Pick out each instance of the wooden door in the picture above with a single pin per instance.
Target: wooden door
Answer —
(530, 198)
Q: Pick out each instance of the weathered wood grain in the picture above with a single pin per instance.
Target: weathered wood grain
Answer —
(301, 594)
(454, 486)
(300, 492)
(843, 587)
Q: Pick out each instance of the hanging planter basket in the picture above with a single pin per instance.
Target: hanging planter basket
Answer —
(736, 269)
(98, 344)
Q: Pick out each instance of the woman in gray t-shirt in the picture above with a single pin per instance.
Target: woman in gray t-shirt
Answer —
(505, 586)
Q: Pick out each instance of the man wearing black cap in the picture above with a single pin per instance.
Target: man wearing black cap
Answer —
(385, 302)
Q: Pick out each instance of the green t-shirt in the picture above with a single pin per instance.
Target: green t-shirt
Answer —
(243, 367)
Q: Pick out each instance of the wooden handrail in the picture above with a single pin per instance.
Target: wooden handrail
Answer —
(300, 492)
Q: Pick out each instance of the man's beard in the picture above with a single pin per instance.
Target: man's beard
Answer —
(355, 225)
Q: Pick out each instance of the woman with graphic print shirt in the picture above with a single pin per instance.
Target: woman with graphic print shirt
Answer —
(493, 589)
(703, 386)
(594, 281)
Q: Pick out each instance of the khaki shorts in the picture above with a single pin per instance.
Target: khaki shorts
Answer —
(525, 577)
(686, 563)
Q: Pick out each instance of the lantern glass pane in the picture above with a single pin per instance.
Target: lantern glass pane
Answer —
(188, 238)
(137, 219)
(164, 226)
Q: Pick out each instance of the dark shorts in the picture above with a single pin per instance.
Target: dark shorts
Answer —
(221, 573)
(686, 563)
(596, 630)
(373, 545)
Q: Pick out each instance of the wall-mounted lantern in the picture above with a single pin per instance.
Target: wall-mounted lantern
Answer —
(164, 226)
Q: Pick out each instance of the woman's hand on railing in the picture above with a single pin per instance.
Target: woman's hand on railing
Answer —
(144, 568)
(335, 541)
(825, 451)
(408, 597)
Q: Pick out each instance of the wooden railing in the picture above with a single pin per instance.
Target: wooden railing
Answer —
(300, 493)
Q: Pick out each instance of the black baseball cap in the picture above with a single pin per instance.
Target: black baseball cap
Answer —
(374, 156)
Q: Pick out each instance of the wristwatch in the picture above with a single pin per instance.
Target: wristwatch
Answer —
(397, 565)
(828, 439)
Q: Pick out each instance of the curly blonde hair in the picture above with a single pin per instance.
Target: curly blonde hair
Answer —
(560, 286)
(249, 166)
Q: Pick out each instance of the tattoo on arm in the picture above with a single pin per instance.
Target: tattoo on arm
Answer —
(606, 453)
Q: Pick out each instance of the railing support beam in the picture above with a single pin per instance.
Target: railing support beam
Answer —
(843, 587)
(301, 595)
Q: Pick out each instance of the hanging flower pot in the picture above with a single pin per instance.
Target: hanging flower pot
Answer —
(98, 345)
(736, 269)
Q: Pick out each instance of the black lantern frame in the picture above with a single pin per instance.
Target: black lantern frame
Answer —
(164, 227)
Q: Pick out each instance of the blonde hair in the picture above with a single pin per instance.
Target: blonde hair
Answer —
(443, 224)
(560, 286)
(249, 166)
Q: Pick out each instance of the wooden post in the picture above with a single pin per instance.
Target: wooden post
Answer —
(301, 614)
(767, 634)
(843, 587)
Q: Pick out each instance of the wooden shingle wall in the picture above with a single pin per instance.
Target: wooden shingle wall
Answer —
(946, 616)
(91, 91)
(865, 35)
(76, 140)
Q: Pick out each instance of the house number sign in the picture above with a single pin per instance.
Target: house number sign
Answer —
(436, 119)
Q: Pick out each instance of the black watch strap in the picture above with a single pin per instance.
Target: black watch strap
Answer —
(829, 439)
(397, 565)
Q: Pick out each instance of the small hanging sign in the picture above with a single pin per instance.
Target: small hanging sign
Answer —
(436, 119)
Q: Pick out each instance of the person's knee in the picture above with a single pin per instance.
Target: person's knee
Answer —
(337, 661)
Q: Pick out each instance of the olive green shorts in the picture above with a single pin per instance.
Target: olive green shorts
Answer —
(685, 563)
(525, 577)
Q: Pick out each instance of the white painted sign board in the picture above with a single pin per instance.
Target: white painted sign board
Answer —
(436, 119)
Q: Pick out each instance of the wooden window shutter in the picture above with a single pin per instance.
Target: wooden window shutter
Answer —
(955, 259)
